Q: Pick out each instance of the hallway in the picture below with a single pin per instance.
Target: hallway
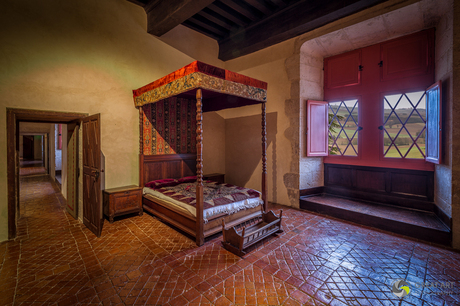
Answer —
(55, 260)
(31, 167)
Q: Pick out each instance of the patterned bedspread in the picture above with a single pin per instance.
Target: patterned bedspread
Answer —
(214, 194)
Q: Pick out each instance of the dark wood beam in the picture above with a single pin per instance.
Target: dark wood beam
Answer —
(260, 6)
(162, 16)
(242, 8)
(278, 3)
(208, 25)
(213, 17)
(208, 31)
(223, 11)
(302, 17)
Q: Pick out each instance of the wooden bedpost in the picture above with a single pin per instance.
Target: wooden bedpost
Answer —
(199, 169)
(264, 157)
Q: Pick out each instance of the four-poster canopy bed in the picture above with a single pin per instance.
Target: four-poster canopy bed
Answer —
(168, 154)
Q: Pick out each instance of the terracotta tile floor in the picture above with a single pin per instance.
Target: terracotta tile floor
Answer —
(31, 167)
(140, 261)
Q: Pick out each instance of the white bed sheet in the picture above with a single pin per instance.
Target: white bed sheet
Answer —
(210, 212)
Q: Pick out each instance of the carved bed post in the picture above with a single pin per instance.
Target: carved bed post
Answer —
(199, 169)
(264, 157)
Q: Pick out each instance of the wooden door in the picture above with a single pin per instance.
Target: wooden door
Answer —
(72, 169)
(92, 197)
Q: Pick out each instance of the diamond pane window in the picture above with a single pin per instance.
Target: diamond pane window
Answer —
(404, 125)
(343, 128)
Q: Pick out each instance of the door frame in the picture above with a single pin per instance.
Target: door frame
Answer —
(13, 117)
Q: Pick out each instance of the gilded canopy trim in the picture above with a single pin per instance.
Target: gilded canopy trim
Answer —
(204, 81)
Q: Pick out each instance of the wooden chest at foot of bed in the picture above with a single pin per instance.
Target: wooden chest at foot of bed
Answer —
(122, 200)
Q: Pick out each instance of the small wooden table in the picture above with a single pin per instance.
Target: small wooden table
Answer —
(216, 177)
(122, 200)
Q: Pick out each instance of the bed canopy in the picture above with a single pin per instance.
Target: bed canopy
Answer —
(211, 89)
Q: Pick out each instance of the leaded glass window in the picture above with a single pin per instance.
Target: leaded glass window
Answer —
(404, 127)
(343, 128)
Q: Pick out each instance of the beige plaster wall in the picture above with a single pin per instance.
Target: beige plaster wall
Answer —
(311, 88)
(38, 147)
(82, 56)
(245, 123)
(190, 42)
(213, 143)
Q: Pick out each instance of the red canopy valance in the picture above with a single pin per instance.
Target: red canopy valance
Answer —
(196, 75)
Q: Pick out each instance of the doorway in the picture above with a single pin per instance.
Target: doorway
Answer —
(33, 154)
(14, 118)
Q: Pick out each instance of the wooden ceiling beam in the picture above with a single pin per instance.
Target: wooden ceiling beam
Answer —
(206, 24)
(210, 15)
(219, 9)
(293, 20)
(260, 6)
(202, 30)
(163, 16)
(243, 9)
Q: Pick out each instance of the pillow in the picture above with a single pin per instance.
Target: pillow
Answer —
(161, 183)
(187, 179)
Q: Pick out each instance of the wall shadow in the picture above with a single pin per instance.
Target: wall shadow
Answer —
(243, 151)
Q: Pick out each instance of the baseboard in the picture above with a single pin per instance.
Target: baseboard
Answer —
(443, 216)
(58, 183)
(311, 191)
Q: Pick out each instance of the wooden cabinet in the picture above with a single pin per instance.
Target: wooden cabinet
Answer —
(216, 177)
(122, 200)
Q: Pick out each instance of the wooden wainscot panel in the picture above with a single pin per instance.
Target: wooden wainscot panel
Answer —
(155, 167)
(388, 185)
(370, 180)
(153, 172)
(171, 168)
(406, 183)
(188, 168)
(339, 176)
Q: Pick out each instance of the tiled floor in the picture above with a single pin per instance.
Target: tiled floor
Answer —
(31, 167)
(139, 260)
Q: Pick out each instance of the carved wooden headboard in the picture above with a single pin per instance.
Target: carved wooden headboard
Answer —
(156, 167)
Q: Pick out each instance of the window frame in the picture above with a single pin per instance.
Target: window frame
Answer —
(370, 88)
(382, 132)
(358, 156)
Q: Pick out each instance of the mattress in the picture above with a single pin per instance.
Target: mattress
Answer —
(210, 210)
